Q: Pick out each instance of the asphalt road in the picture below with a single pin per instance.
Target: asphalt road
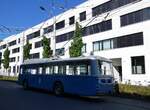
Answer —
(14, 97)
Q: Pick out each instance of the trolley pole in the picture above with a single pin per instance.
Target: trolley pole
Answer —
(54, 36)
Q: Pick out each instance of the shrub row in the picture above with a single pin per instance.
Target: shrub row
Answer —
(132, 90)
(8, 78)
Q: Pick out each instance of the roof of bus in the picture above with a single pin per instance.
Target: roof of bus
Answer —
(48, 60)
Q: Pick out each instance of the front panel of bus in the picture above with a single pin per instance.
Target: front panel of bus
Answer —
(103, 71)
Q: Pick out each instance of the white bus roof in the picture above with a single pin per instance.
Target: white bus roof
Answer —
(48, 60)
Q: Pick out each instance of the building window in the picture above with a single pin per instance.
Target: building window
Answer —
(60, 51)
(83, 16)
(49, 39)
(93, 29)
(110, 5)
(96, 28)
(18, 58)
(105, 7)
(60, 25)
(2, 46)
(14, 69)
(33, 35)
(13, 59)
(71, 20)
(12, 43)
(119, 42)
(83, 50)
(18, 69)
(106, 44)
(48, 29)
(9, 69)
(130, 40)
(96, 46)
(138, 65)
(135, 17)
(38, 44)
(30, 46)
(18, 40)
(16, 50)
(64, 37)
(34, 55)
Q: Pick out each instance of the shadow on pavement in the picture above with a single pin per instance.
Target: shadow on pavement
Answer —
(94, 99)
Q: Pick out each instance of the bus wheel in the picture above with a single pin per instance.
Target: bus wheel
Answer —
(25, 85)
(58, 89)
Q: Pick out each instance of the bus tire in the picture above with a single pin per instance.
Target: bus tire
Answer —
(25, 85)
(58, 89)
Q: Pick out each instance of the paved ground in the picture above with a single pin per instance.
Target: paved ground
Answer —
(13, 97)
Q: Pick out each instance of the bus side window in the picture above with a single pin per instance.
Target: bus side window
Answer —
(39, 70)
(51, 69)
(30, 71)
(62, 69)
(44, 70)
(83, 70)
(89, 69)
(33, 71)
(77, 69)
(47, 69)
(55, 69)
(70, 70)
(27, 70)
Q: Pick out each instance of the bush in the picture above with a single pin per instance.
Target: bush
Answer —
(132, 90)
(8, 78)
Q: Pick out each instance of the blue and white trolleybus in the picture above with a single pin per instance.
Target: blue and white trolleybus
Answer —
(84, 76)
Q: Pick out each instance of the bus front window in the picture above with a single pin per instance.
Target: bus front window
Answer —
(105, 68)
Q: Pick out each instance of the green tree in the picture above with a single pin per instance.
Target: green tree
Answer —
(26, 51)
(77, 44)
(6, 59)
(47, 52)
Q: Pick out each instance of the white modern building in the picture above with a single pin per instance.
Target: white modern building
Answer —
(115, 29)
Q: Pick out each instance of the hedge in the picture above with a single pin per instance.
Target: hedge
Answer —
(133, 90)
(8, 78)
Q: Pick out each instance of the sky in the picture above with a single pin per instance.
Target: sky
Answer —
(16, 15)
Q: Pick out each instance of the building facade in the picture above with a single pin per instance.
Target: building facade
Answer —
(115, 29)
